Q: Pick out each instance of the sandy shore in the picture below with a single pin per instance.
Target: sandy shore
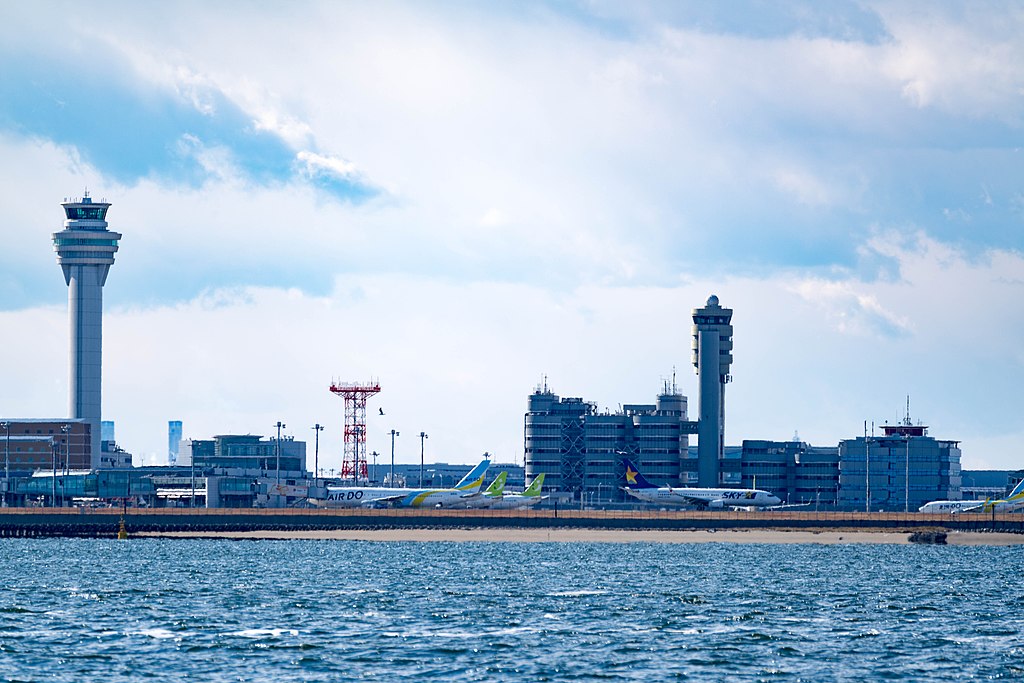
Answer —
(603, 536)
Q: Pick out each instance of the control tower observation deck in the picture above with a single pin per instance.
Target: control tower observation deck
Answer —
(85, 251)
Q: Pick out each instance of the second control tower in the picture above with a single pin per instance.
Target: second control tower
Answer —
(85, 251)
(712, 358)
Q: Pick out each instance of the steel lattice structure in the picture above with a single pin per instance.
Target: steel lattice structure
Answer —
(353, 464)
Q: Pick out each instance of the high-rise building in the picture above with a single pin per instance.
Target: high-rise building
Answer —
(173, 441)
(85, 251)
(107, 430)
(712, 357)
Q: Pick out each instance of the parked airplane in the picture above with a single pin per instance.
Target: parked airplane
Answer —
(1012, 502)
(369, 496)
(638, 487)
(490, 495)
(513, 501)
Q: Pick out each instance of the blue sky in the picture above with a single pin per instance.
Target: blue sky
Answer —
(462, 198)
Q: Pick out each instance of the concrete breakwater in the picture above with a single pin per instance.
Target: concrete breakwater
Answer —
(105, 523)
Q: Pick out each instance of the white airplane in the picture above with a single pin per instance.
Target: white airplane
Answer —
(1012, 502)
(638, 487)
(514, 501)
(486, 499)
(369, 496)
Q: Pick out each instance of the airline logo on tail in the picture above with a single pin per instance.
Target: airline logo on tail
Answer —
(497, 486)
(475, 479)
(634, 479)
(534, 488)
(512, 501)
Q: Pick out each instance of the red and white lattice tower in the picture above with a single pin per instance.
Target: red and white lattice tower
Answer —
(353, 463)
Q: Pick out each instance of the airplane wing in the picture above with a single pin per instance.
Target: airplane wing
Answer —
(380, 502)
(695, 500)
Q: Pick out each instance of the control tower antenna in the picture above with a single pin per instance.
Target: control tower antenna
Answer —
(353, 463)
(85, 251)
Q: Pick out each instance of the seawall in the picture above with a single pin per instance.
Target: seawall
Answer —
(105, 523)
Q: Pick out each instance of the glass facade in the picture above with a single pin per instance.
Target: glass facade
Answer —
(580, 450)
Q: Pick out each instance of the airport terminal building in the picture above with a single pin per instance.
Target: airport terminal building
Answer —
(581, 450)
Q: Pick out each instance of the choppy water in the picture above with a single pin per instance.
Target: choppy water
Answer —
(199, 610)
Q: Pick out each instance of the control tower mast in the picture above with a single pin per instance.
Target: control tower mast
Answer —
(85, 251)
(353, 464)
(712, 358)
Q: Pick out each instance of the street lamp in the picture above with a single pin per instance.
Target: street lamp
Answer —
(867, 469)
(53, 480)
(375, 454)
(423, 435)
(279, 424)
(393, 435)
(7, 459)
(906, 478)
(192, 461)
(316, 451)
(67, 456)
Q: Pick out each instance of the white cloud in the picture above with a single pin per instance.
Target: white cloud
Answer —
(457, 360)
(315, 164)
(851, 312)
(601, 169)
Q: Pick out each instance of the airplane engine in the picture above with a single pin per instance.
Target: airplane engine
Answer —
(716, 505)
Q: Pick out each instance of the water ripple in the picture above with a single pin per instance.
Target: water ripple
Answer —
(88, 610)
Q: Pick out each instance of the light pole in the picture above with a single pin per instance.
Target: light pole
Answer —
(423, 435)
(66, 429)
(7, 459)
(279, 424)
(867, 470)
(192, 465)
(906, 478)
(316, 451)
(375, 454)
(393, 435)
(53, 481)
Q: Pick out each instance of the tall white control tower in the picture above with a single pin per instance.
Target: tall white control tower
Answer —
(712, 358)
(85, 251)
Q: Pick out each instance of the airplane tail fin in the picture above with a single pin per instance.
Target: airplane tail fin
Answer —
(634, 479)
(475, 479)
(534, 488)
(1017, 490)
(497, 487)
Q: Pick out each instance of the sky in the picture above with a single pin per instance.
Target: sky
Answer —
(464, 201)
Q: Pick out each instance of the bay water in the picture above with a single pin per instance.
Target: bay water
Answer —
(216, 610)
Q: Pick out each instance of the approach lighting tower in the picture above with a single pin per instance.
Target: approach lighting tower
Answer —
(353, 462)
(85, 251)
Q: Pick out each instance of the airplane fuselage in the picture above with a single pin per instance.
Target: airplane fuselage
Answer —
(369, 496)
(952, 506)
(514, 502)
(712, 498)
